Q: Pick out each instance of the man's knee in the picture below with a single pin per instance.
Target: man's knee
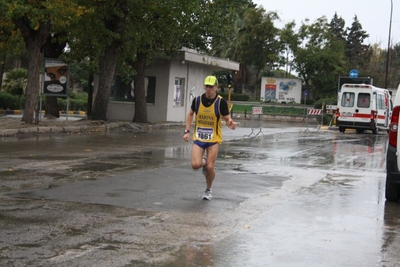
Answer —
(196, 165)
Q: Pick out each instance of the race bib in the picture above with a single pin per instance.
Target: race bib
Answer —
(205, 134)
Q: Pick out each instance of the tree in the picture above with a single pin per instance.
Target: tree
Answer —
(376, 67)
(394, 67)
(260, 47)
(35, 20)
(337, 27)
(290, 42)
(132, 33)
(358, 54)
(319, 58)
(160, 33)
(163, 31)
(7, 43)
(107, 23)
(252, 42)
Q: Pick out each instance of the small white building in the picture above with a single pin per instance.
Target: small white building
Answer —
(171, 84)
(281, 90)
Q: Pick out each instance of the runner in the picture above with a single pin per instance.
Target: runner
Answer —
(207, 135)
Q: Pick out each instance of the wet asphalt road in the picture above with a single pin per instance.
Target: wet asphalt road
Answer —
(287, 197)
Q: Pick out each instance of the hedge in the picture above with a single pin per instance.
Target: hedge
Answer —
(11, 102)
(235, 97)
(14, 102)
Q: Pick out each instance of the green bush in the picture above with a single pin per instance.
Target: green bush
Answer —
(11, 102)
(326, 101)
(327, 119)
(15, 81)
(309, 101)
(75, 104)
(235, 97)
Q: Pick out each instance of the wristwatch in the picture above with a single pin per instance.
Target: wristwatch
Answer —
(187, 131)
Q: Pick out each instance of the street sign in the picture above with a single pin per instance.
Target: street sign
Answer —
(331, 107)
(353, 74)
(257, 111)
(305, 93)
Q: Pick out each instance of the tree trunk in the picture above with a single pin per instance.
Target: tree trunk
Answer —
(52, 107)
(34, 39)
(106, 76)
(140, 90)
(31, 114)
(90, 95)
(3, 60)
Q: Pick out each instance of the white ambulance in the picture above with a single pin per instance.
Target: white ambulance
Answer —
(363, 107)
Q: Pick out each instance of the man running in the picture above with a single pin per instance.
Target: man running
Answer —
(207, 135)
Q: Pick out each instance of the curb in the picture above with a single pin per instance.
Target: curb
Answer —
(10, 112)
(60, 129)
(19, 112)
(92, 127)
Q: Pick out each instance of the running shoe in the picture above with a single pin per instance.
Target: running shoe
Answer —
(207, 195)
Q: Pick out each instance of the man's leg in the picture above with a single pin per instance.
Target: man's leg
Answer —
(197, 157)
(212, 153)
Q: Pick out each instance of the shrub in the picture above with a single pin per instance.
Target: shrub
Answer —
(235, 97)
(77, 103)
(309, 101)
(326, 101)
(11, 102)
(15, 81)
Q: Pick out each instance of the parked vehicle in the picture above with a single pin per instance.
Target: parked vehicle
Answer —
(392, 190)
(363, 107)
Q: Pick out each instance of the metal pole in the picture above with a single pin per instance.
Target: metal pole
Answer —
(387, 58)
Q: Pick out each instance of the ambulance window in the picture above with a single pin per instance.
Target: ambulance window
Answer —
(348, 100)
(381, 102)
(363, 100)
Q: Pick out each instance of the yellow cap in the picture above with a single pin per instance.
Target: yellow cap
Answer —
(211, 81)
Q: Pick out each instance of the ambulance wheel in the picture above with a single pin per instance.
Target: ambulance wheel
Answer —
(342, 129)
(392, 191)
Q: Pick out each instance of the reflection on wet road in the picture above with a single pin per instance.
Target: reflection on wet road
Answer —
(286, 198)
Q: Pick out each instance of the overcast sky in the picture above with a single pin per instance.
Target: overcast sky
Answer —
(374, 15)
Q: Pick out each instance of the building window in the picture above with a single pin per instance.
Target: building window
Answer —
(124, 91)
(179, 92)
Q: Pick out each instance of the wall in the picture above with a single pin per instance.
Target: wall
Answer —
(177, 70)
(163, 109)
(281, 89)
(194, 74)
(189, 65)
(125, 111)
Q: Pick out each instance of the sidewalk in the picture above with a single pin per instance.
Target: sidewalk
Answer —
(11, 125)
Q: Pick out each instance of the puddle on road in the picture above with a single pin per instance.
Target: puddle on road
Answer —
(310, 151)
(49, 157)
(191, 255)
(96, 166)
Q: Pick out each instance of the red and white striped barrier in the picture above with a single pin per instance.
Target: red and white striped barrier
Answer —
(315, 111)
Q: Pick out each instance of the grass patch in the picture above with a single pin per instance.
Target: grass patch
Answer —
(270, 110)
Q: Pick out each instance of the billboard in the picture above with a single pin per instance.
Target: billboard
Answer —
(55, 77)
(283, 90)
